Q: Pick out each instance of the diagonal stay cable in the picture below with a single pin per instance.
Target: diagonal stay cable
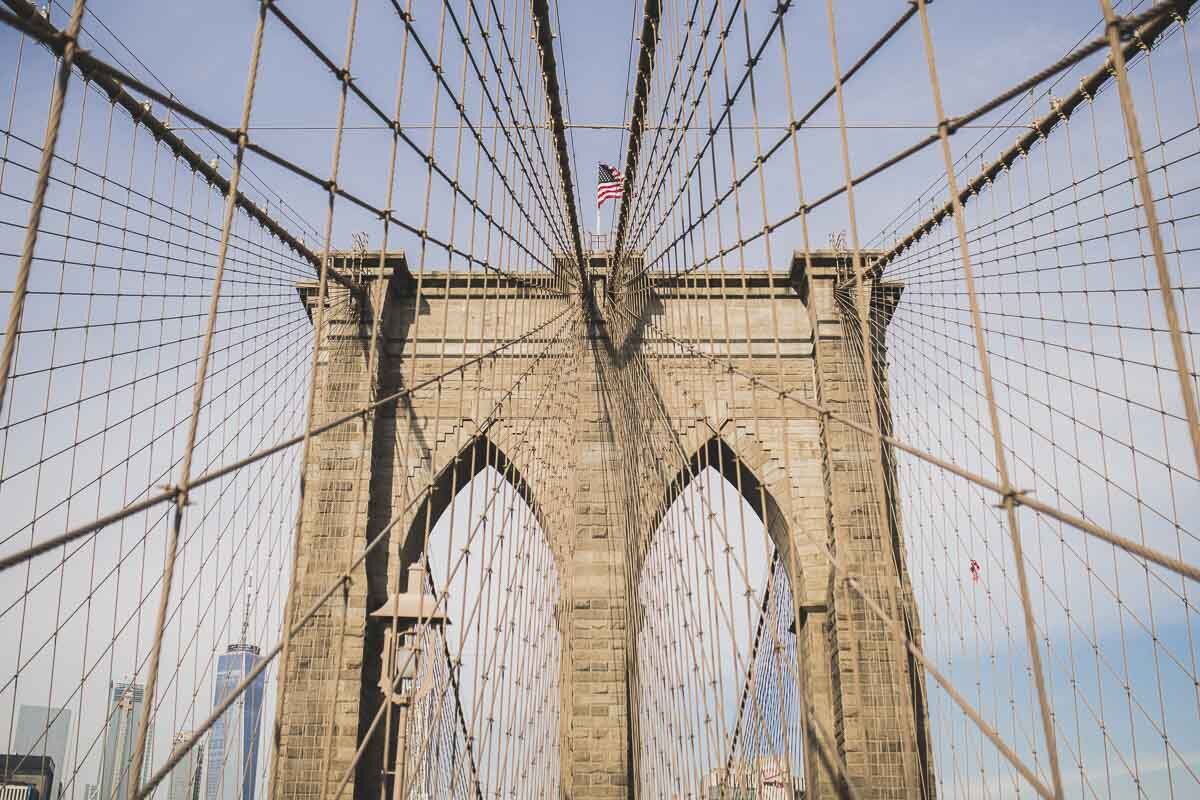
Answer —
(28, 20)
(263, 187)
(545, 38)
(723, 120)
(637, 121)
(896, 626)
(520, 86)
(464, 551)
(1017, 496)
(98, 68)
(348, 79)
(57, 98)
(172, 492)
(311, 612)
(1150, 26)
(526, 164)
(1156, 20)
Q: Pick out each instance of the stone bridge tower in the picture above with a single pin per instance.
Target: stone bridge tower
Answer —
(806, 476)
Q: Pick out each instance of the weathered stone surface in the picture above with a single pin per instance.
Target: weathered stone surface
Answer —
(815, 482)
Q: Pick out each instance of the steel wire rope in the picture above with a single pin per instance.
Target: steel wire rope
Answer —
(725, 118)
(1156, 650)
(405, 17)
(1145, 32)
(1033, 565)
(37, 201)
(292, 630)
(1018, 106)
(265, 188)
(672, 82)
(136, 613)
(1008, 753)
(178, 107)
(1019, 498)
(1157, 13)
(825, 755)
(443, 593)
(28, 21)
(1093, 194)
(162, 496)
(119, 422)
(80, 168)
(111, 469)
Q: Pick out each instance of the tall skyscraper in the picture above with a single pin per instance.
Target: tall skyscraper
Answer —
(231, 765)
(126, 706)
(184, 780)
(43, 731)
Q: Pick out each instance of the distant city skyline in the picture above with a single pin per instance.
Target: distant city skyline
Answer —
(230, 751)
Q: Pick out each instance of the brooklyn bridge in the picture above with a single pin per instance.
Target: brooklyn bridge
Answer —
(850, 453)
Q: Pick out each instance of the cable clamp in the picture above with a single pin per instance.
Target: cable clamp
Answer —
(1124, 27)
(180, 494)
(1056, 105)
(949, 126)
(1010, 497)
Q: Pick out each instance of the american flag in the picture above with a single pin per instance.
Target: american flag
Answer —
(609, 184)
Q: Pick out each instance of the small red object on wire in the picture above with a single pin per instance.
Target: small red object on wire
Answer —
(974, 570)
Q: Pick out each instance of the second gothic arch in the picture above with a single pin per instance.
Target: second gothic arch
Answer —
(716, 450)
(479, 453)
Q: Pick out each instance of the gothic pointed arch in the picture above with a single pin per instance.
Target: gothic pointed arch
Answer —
(732, 458)
(456, 475)
(479, 453)
(713, 579)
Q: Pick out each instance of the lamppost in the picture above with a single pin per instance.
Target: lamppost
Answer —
(408, 616)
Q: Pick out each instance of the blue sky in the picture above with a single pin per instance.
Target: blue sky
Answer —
(200, 52)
